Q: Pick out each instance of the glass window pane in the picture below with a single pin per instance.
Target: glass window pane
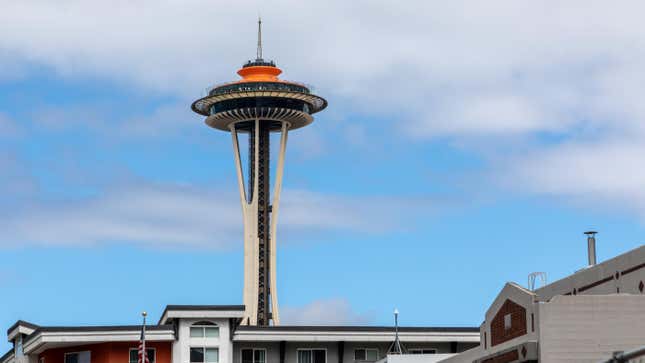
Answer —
(84, 357)
(212, 355)
(319, 356)
(150, 352)
(196, 332)
(212, 332)
(372, 355)
(134, 355)
(196, 355)
(259, 356)
(359, 354)
(304, 356)
(247, 355)
(71, 358)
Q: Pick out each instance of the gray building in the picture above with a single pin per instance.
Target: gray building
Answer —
(584, 317)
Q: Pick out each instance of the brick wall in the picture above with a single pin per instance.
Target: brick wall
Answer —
(499, 333)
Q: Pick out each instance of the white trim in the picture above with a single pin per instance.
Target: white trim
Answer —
(200, 314)
(349, 336)
(39, 342)
(137, 350)
(312, 348)
(20, 329)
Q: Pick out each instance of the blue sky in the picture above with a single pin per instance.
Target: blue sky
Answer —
(464, 146)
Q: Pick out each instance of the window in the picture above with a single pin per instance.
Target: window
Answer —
(422, 351)
(368, 355)
(77, 357)
(253, 355)
(507, 321)
(150, 353)
(312, 356)
(204, 355)
(204, 329)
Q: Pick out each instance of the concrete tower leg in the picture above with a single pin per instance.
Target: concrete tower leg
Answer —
(277, 188)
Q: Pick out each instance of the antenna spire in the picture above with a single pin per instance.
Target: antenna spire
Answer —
(259, 53)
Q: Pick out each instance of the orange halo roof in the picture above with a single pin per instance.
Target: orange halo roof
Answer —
(259, 74)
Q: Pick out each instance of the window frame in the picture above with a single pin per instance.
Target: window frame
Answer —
(378, 354)
(253, 350)
(154, 354)
(508, 321)
(204, 347)
(78, 352)
(203, 325)
(312, 349)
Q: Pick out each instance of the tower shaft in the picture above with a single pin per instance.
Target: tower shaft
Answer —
(260, 161)
(260, 219)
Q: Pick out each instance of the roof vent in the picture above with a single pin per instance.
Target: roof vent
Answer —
(591, 247)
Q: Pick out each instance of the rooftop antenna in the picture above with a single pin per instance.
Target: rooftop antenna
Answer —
(259, 52)
(396, 347)
(533, 277)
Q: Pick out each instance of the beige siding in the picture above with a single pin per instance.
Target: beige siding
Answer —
(589, 328)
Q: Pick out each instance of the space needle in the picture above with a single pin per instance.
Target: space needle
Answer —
(257, 105)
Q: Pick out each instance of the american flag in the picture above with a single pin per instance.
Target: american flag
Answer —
(143, 357)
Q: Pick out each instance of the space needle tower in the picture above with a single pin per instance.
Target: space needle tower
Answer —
(255, 106)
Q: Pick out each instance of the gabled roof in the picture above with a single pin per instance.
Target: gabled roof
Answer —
(511, 291)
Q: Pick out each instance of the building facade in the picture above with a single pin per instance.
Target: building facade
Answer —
(214, 334)
(584, 317)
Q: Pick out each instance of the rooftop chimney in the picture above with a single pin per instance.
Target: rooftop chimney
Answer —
(591, 247)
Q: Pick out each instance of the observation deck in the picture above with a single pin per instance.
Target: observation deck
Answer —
(260, 94)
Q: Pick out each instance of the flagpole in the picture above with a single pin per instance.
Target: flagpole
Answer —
(144, 355)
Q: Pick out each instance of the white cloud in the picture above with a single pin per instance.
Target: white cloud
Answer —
(335, 311)
(439, 68)
(599, 175)
(176, 215)
(499, 70)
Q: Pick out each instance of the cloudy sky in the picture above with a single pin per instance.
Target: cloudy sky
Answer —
(465, 144)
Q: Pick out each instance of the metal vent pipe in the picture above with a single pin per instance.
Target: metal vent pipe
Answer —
(591, 247)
